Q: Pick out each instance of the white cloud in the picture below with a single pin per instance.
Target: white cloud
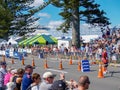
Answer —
(54, 24)
(88, 29)
(37, 3)
(44, 15)
(36, 23)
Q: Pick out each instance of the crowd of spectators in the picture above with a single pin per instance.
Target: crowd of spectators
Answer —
(106, 47)
(26, 79)
(92, 50)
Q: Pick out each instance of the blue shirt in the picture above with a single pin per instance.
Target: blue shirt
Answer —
(26, 81)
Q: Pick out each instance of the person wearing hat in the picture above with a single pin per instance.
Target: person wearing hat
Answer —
(48, 79)
(3, 71)
(83, 83)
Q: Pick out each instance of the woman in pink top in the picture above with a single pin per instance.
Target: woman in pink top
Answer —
(7, 76)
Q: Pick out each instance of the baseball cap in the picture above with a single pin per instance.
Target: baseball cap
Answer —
(58, 85)
(3, 63)
(48, 74)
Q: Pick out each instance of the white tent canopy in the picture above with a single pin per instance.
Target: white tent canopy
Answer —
(3, 42)
(12, 41)
(87, 38)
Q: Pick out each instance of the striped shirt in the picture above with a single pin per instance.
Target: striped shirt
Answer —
(2, 74)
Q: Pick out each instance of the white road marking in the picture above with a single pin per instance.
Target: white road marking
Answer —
(61, 71)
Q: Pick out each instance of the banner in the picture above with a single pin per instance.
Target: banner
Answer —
(7, 53)
(16, 54)
(85, 65)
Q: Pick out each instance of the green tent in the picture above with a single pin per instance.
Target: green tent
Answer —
(54, 39)
(30, 40)
(48, 39)
(44, 39)
(22, 42)
(39, 39)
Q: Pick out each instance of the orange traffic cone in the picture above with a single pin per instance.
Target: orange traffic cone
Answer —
(79, 66)
(70, 61)
(100, 72)
(45, 64)
(12, 61)
(3, 58)
(23, 63)
(33, 63)
(60, 65)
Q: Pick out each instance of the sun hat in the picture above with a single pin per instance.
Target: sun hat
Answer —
(48, 74)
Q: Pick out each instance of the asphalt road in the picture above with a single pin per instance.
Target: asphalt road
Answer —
(110, 82)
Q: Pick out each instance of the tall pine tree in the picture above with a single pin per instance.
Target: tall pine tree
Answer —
(17, 17)
(73, 11)
(24, 20)
(5, 19)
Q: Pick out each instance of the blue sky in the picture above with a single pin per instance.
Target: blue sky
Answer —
(51, 14)
(50, 17)
(112, 9)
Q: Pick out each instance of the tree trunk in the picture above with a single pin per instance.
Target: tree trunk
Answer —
(76, 26)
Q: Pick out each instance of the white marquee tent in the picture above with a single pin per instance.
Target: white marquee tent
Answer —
(12, 41)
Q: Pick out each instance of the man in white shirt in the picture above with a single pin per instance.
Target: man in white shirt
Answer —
(48, 79)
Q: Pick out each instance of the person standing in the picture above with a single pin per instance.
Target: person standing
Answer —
(105, 60)
(99, 53)
(17, 79)
(83, 83)
(7, 76)
(36, 81)
(3, 71)
(27, 80)
(48, 79)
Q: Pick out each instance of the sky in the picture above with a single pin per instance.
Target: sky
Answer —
(50, 17)
(51, 14)
(112, 9)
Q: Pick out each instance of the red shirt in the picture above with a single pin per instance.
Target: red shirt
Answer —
(104, 57)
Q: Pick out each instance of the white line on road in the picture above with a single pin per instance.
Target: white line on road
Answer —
(61, 71)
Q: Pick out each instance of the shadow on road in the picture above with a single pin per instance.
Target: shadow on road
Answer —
(113, 74)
